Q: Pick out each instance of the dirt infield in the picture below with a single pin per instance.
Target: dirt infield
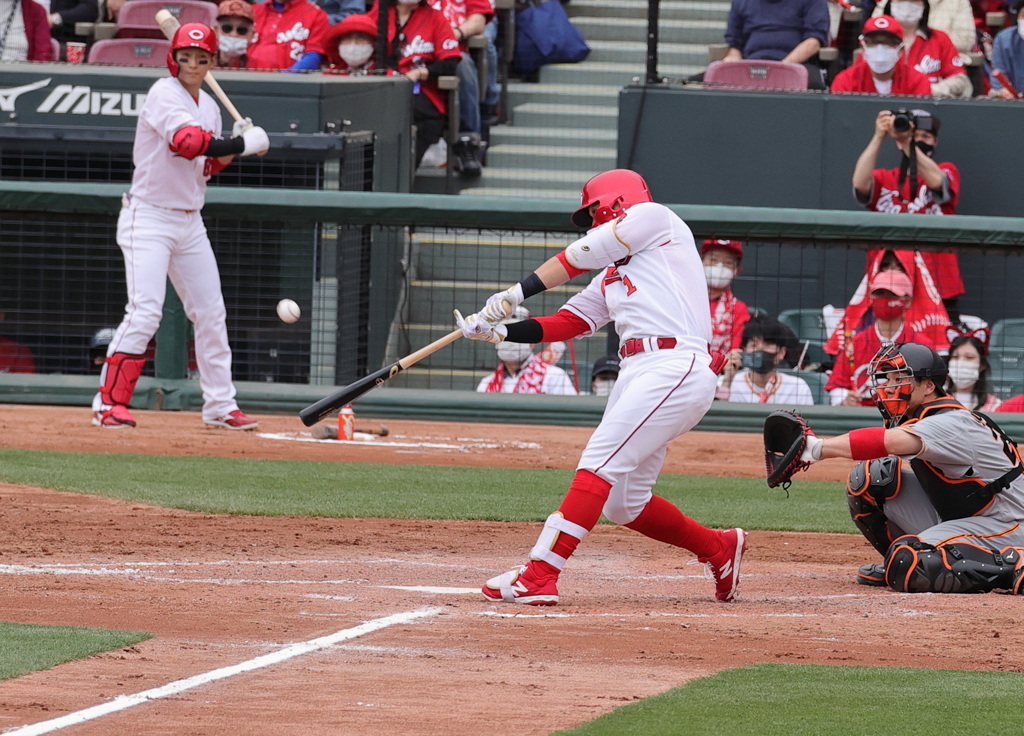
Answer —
(218, 591)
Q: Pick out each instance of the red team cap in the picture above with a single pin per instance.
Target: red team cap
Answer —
(733, 246)
(883, 24)
(191, 36)
(895, 281)
(618, 185)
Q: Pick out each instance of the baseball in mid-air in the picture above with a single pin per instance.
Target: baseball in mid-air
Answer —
(288, 311)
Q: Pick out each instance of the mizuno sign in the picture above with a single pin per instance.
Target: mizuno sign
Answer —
(76, 100)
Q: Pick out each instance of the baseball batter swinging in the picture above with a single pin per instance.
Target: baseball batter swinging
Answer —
(161, 232)
(939, 492)
(653, 289)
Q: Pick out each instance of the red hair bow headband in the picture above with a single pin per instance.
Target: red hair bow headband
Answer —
(982, 335)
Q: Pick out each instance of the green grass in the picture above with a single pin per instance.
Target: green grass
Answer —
(26, 648)
(786, 700)
(307, 488)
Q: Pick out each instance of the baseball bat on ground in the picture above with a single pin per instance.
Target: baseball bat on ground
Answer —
(169, 24)
(330, 432)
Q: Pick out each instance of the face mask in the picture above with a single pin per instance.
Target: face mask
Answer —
(907, 13)
(718, 276)
(882, 58)
(514, 352)
(233, 46)
(409, 2)
(963, 374)
(1020, 29)
(759, 361)
(887, 308)
(603, 386)
(926, 148)
(355, 54)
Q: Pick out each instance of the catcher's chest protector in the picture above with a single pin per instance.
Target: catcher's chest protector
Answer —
(962, 497)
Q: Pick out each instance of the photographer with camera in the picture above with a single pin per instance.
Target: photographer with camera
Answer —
(751, 375)
(882, 67)
(918, 185)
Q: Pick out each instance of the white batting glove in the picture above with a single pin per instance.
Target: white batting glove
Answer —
(241, 126)
(494, 310)
(475, 327)
(256, 141)
(812, 450)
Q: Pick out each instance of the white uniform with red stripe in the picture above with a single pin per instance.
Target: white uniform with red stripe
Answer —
(161, 233)
(653, 287)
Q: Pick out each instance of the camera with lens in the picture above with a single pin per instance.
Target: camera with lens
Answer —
(904, 120)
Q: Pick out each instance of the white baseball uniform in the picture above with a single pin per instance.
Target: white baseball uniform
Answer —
(653, 287)
(161, 233)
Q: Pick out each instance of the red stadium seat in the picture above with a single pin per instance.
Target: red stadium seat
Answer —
(130, 51)
(758, 74)
(137, 18)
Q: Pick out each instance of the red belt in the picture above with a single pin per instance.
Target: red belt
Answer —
(636, 345)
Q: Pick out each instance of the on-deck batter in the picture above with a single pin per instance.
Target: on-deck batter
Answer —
(653, 289)
(161, 233)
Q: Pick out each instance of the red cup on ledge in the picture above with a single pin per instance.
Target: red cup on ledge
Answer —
(76, 52)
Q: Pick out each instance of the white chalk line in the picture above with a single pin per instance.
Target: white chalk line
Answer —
(465, 443)
(123, 702)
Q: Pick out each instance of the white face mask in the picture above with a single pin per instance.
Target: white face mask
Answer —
(514, 352)
(882, 58)
(907, 13)
(603, 386)
(233, 46)
(409, 2)
(1020, 29)
(355, 53)
(718, 276)
(963, 374)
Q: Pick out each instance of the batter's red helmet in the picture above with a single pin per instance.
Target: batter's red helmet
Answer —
(191, 36)
(618, 185)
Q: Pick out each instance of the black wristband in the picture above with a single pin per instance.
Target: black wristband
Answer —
(529, 330)
(532, 285)
(224, 147)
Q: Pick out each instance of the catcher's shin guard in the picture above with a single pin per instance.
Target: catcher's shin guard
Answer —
(914, 566)
(120, 374)
(871, 484)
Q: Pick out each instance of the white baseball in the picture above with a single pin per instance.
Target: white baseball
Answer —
(288, 311)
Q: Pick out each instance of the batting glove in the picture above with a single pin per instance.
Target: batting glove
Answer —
(241, 126)
(494, 310)
(475, 327)
(256, 141)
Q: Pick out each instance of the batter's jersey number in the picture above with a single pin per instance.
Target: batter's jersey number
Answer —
(612, 275)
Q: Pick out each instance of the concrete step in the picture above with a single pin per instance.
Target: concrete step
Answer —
(571, 137)
(635, 52)
(635, 29)
(536, 179)
(667, 10)
(488, 256)
(432, 301)
(546, 115)
(608, 74)
(557, 158)
(578, 92)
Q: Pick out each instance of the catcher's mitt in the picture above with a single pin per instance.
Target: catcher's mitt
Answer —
(785, 437)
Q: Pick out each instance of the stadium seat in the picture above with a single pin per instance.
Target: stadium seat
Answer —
(807, 324)
(1007, 365)
(1008, 333)
(137, 18)
(130, 51)
(756, 73)
(815, 381)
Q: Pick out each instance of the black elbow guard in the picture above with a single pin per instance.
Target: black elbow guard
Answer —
(224, 147)
(529, 330)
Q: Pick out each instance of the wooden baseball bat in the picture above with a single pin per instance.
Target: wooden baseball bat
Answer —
(169, 24)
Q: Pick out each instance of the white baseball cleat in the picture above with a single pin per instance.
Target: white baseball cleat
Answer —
(519, 585)
(234, 420)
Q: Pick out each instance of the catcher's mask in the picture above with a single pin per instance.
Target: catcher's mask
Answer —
(895, 371)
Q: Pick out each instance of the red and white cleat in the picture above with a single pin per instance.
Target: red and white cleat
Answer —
(234, 420)
(724, 566)
(116, 417)
(521, 585)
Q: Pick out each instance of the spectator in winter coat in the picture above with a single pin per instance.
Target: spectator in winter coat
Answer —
(65, 13)
(779, 30)
(1008, 56)
(28, 31)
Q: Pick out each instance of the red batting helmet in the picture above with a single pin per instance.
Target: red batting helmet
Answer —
(191, 36)
(618, 185)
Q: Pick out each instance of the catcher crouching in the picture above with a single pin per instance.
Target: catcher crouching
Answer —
(939, 490)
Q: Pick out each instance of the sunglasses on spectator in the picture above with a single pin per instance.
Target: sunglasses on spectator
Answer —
(227, 28)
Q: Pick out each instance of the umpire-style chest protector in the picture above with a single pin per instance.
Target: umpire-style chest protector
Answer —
(958, 498)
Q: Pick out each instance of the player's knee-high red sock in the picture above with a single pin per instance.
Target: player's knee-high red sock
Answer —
(661, 520)
(581, 508)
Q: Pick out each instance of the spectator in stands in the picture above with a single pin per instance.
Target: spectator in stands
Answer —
(235, 30)
(936, 192)
(882, 67)
(955, 18)
(339, 10)
(728, 314)
(523, 372)
(14, 357)
(25, 31)
(604, 374)
(289, 35)
(1012, 404)
(351, 45)
(1008, 56)
(969, 371)
(751, 375)
(467, 18)
(929, 50)
(427, 49)
(890, 293)
(779, 30)
(63, 16)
